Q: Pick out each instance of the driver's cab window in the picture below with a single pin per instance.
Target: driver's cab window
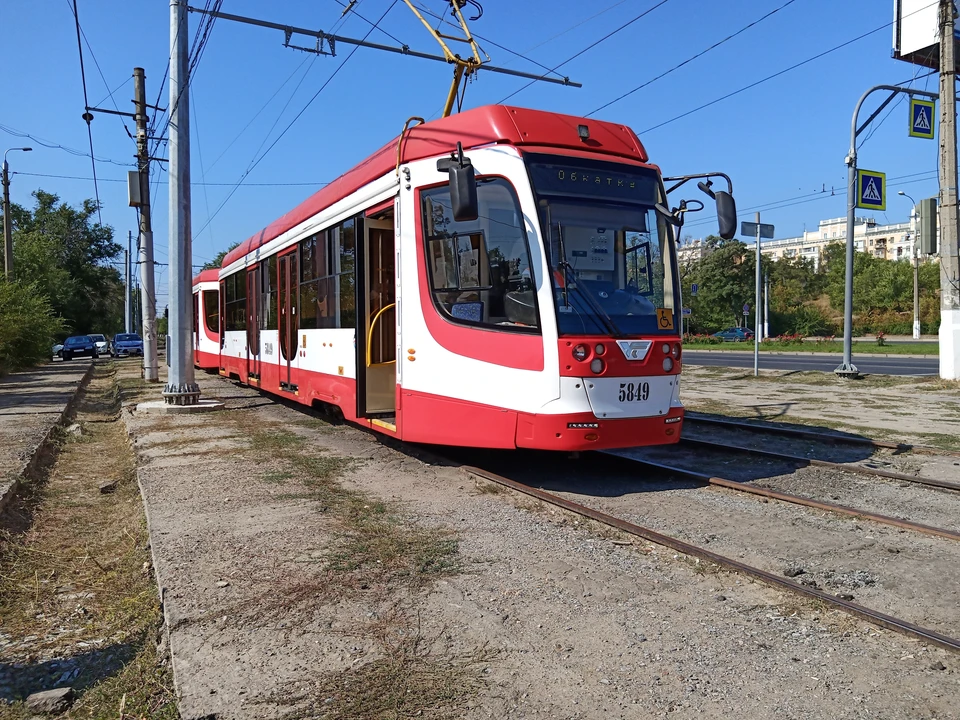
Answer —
(611, 249)
(480, 271)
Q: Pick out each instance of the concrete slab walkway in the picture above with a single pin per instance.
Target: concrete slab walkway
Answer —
(32, 403)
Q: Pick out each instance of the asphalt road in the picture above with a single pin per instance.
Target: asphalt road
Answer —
(889, 365)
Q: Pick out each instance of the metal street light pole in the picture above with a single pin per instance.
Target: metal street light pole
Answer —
(916, 265)
(847, 369)
(7, 222)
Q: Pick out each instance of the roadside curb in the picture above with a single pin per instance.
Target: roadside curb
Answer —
(126, 411)
(797, 353)
(33, 461)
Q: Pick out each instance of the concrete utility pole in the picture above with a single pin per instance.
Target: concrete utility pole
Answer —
(7, 220)
(949, 231)
(181, 388)
(148, 304)
(126, 284)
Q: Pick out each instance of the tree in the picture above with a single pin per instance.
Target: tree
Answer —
(726, 279)
(65, 254)
(217, 261)
(27, 326)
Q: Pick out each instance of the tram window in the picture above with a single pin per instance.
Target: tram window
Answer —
(268, 296)
(480, 271)
(327, 279)
(346, 282)
(235, 308)
(211, 310)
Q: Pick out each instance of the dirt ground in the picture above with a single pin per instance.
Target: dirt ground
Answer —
(309, 570)
(914, 410)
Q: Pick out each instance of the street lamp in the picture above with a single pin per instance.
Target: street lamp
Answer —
(916, 266)
(7, 224)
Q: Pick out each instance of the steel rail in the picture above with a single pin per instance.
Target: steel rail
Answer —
(819, 436)
(797, 499)
(878, 618)
(843, 467)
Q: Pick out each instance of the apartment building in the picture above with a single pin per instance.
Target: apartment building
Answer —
(890, 242)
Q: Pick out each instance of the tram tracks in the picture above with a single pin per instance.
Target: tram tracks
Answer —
(842, 467)
(882, 619)
(739, 486)
(823, 437)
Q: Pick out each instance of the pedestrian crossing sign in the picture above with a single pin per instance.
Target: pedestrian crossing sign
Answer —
(921, 118)
(871, 190)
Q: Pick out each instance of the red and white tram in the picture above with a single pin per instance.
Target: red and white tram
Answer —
(206, 320)
(519, 293)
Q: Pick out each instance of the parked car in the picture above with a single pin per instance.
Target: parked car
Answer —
(79, 345)
(735, 334)
(125, 344)
(56, 351)
(103, 346)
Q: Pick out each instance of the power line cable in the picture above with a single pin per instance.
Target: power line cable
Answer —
(774, 75)
(292, 122)
(353, 11)
(923, 176)
(209, 184)
(691, 59)
(86, 103)
(196, 130)
(104, 79)
(56, 146)
(589, 47)
(257, 114)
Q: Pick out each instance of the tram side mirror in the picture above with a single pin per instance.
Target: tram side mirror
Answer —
(726, 214)
(463, 193)
(463, 185)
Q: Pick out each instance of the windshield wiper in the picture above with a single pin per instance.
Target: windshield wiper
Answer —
(566, 267)
(594, 305)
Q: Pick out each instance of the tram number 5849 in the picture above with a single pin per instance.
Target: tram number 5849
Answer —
(634, 392)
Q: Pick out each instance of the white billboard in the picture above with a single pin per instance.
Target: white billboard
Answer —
(916, 35)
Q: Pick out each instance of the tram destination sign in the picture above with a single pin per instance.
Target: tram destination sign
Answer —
(552, 175)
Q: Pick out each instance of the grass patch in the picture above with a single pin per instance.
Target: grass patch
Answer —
(75, 584)
(375, 548)
(411, 675)
(863, 346)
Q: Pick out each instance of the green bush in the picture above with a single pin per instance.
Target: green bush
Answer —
(27, 326)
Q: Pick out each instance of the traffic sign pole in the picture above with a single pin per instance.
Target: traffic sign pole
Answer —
(756, 307)
(847, 369)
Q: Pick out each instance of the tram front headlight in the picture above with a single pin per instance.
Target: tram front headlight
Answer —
(666, 348)
(667, 364)
(600, 349)
(580, 352)
(675, 351)
(597, 366)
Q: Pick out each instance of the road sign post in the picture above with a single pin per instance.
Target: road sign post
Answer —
(758, 230)
(855, 189)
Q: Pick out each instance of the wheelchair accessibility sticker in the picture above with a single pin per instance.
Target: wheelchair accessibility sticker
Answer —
(665, 318)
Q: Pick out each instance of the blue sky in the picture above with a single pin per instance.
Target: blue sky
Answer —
(782, 142)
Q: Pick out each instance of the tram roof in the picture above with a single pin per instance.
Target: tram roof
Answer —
(211, 275)
(487, 125)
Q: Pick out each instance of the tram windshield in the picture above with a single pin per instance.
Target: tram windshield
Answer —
(612, 256)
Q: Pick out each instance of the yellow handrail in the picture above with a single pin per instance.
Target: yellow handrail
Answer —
(373, 324)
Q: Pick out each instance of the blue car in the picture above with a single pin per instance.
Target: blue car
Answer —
(126, 344)
(735, 334)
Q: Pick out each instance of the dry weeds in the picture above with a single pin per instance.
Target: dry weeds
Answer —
(78, 579)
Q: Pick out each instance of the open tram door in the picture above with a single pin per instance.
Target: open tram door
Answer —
(253, 325)
(377, 321)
